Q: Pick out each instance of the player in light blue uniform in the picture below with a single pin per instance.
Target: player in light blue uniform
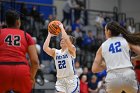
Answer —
(67, 80)
(114, 55)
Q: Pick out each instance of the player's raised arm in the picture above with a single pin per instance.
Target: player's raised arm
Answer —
(70, 46)
(46, 47)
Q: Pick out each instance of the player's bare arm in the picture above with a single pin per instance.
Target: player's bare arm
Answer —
(135, 48)
(98, 64)
(67, 40)
(46, 47)
(34, 61)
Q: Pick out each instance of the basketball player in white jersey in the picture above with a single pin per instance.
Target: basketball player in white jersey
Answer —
(67, 80)
(114, 55)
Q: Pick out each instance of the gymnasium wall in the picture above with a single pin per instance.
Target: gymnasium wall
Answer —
(131, 8)
(42, 9)
(59, 5)
(106, 5)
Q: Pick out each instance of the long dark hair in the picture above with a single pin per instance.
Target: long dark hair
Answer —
(10, 17)
(116, 29)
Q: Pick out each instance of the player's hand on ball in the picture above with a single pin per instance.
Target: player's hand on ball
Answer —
(54, 28)
(52, 35)
(60, 25)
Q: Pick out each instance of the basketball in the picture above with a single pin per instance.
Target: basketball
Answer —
(53, 27)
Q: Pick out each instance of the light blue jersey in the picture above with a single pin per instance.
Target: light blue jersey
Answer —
(116, 53)
(64, 63)
(67, 80)
(120, 76)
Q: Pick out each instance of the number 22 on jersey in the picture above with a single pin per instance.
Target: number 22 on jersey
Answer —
(115, 47)
(62, 64)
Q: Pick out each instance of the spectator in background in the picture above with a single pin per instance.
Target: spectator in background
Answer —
(98, 42)
(39, 24)
(32, 26)
(78, 69)
(131, 28)
(92, 84)
(34, 13)
(99, 21)
(89, 42)
(77, 9)
(24, 16)
(29, 26)
(37, 21)
(76, 24)
(14, 68)
(107, 18)
(3, 25)
(83, 84)
(24, 11)
(77, 33)
(87, 73)
(69, 30)
(50, 18)
(1, 12)
(122, 23)
(67, 12)
(45, 27)
(101, 86)
(85, 70)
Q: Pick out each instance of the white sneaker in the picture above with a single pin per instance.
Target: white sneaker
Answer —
(38, 80)
(42, 66)
(46, 81)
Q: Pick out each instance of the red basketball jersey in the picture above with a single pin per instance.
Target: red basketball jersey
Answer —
(14, 45)
(137, 70)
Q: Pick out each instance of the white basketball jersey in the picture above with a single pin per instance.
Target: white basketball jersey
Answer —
(64, 63)
(116, 53)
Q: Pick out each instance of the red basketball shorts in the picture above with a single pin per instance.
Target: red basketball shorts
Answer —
(15, 77)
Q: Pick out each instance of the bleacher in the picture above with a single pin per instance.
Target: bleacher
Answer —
(49, 86)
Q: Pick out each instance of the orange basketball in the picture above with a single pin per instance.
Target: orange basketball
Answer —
(53, 27)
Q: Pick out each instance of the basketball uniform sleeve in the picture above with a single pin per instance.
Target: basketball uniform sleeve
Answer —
(30, 41)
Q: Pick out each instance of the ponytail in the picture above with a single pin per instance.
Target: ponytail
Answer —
(116, 29)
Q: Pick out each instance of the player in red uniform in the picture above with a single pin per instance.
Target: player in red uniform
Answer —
(15, 73)
(136, 63)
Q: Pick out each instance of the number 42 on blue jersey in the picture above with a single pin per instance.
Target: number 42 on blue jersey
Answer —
(115, 47)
